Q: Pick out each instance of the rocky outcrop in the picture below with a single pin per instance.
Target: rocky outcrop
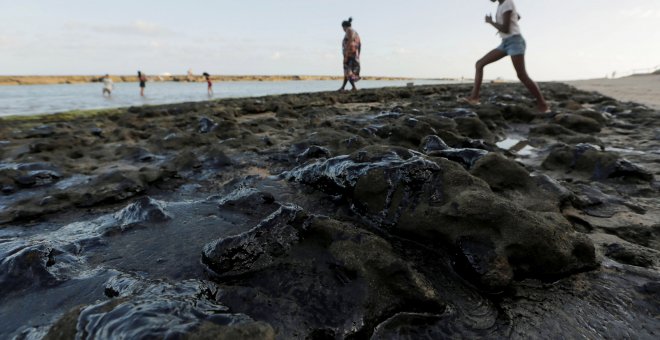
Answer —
(578, 123)
(509, 179)
(589, 161)
(309, 275)
(438, 202)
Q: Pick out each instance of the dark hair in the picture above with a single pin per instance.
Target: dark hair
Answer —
(206, 74)
(139, 73)
(347, 23)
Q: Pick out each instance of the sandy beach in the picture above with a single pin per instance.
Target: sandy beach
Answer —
(643, 89)
(382, 214)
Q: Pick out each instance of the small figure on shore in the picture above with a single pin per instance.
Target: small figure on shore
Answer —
(513, 44)
(209, 88)
(143, 82)
(108, 85)
(351, 48)
(189, 76)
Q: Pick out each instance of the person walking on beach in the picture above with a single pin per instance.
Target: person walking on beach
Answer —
(209, 87)
(142, 78)
(513, 44)
(351, 48)
(107, 85)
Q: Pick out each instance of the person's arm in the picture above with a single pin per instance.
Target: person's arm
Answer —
(504, 27)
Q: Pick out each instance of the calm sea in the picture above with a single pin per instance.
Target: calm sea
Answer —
(41, 99)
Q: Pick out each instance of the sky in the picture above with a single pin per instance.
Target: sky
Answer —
(566, 39)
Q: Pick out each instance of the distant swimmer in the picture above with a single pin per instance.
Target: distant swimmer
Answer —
(513, 44)
(209, 88)
(143, 82)
(108, 85)
(351, 48)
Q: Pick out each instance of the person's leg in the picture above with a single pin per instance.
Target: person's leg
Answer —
(519, 65)
(489, 58)
(355, 72)
(343, 86)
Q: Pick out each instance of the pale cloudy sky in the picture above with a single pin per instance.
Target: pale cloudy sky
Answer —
(567, 39)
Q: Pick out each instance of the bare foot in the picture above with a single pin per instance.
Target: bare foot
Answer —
(341, 90)
(354, 89)
(543, 108)
(468, 100)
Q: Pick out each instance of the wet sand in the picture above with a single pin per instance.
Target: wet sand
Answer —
(387, 213)
(644, 89)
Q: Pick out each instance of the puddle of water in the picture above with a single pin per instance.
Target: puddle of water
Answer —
(527, 151)
(37, 308)
(171, 249)
(72, 181)
(507, 143)
(520, 147)
(10, 166)
(626, 151)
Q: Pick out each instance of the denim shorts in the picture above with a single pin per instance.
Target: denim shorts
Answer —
(513, 45)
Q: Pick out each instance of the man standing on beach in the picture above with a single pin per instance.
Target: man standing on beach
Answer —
(107, 85)
(513, 44)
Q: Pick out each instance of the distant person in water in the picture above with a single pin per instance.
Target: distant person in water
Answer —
(351, 48)
(107, 85)
(513, 44)
(209, 87)
(142, 78)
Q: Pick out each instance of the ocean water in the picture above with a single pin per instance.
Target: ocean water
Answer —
(44, 99)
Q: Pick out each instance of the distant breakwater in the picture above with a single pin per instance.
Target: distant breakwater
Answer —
(49, 80)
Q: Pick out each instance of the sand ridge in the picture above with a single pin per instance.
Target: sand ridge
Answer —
(644, 89)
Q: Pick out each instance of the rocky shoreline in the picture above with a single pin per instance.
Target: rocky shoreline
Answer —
(387, 214)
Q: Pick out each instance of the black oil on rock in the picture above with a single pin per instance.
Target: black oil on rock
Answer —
(383, 214)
